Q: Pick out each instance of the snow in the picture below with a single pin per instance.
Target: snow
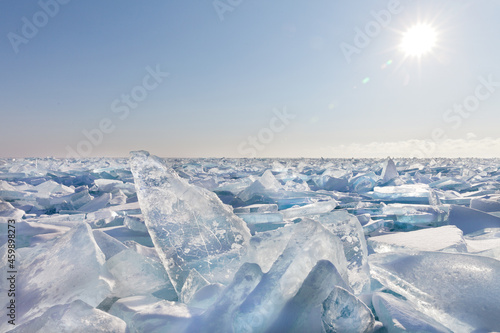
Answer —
(448, 238)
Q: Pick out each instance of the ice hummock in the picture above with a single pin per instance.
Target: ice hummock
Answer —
(76, 316)
(434, 223)
(309, 243)
(59, 271)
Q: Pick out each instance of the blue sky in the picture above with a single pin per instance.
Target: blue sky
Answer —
(247, 78)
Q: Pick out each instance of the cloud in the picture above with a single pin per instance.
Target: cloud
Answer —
(471, 135)
(470, 147)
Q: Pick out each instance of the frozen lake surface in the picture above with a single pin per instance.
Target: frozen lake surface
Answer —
(144, 244)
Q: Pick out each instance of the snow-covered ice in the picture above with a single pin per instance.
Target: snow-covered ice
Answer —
(446, 238)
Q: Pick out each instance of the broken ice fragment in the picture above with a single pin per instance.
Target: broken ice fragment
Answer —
(107, 185)
(135, 274)
(256, 218)
(348, 229)
(206, 296)
(218, 318)
(135, 223)
(257, 208)
(118, 198)
(193, 283)
(314, 208)
(60, 271)
(309, 243)
(344, 312)
(103, 218)
(374, 227)
(331, 183)
(265, 247)
(411, 216)
(484, 240)
(461, 291)
(303, 311)
(150, 314)
(189, 225)
(407, 193)
(77, 316)
(266, 184)
(486, 204)
(398, 316)
(108, 245)
(50, 188)
(362, 183)
(389, 171)
(96, 203)
(7, 211)
(471, 220)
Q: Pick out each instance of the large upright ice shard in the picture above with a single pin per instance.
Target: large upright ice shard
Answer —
(389, 171)
(189, 225)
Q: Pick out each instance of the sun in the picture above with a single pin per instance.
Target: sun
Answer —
(418, 40)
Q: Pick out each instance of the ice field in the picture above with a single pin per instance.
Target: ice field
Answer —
(144, 244)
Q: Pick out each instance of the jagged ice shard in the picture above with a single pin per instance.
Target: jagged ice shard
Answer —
(59, 271)
(189, 225)
(348, 229)
(310, 243)
(77, 316)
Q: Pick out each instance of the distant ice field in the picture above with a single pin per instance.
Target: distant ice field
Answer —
(145, 244)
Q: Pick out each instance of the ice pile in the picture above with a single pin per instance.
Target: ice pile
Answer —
(225, 245)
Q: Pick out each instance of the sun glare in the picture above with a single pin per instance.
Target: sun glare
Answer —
(418, 40)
